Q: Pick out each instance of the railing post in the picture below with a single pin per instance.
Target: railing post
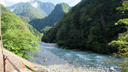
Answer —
(4, 59)
(1, 54)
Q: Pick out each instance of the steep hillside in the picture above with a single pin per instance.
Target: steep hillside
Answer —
(52, 19)
(16, 36)
(30, 27)
(34, 9)
(88, 26)
(4, 9)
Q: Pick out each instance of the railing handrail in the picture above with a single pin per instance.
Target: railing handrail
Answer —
(4, 59)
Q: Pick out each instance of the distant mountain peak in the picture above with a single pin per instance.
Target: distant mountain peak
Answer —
(35, 0)
(34, 9)
(35, 4)
(12, 10)
(63, 6)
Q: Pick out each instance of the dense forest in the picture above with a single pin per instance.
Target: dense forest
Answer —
(44, 24)
(90, 25)
(16, 35)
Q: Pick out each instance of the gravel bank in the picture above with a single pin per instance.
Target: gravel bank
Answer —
(54, 63)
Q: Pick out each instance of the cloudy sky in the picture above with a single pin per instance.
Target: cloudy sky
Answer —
(11, 2)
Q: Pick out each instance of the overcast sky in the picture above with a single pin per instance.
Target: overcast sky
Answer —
(12, 2)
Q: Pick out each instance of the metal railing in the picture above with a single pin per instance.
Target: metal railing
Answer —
(5, 57)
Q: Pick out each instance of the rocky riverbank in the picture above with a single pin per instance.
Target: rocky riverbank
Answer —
(54, 63)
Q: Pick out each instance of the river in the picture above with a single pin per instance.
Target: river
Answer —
(84, 58)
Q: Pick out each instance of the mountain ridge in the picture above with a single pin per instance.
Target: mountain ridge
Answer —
(58, 12)
(34, 9)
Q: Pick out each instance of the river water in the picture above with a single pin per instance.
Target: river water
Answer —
(89, 59)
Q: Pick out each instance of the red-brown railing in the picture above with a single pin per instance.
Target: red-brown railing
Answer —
(6, 58)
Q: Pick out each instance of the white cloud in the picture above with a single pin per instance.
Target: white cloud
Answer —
(70, 2)
(66, 1)
(12, 10)
(17, 1)
(74, 2)
(35, 4)
(2, 2)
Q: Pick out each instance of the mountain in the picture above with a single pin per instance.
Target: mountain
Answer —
(34, 9)
(27, 26)
(90, 25)
(29, 11)
(52, 18)
(46, 7)
(13, 7)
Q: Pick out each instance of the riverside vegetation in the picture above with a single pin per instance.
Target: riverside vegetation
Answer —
(90, 25)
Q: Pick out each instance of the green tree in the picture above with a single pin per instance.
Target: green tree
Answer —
(122, 42)
(16, 37)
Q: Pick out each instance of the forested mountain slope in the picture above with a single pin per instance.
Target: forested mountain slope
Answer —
(30, 27)
(4, 9)
(52, 18)
(46, 7)
(90, 25)
(16, 36)
(34, 9)
(15, 6)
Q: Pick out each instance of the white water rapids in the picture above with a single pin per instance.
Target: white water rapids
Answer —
(56, 59)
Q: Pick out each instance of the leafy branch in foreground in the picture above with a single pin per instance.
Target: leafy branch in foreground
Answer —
(122, 42)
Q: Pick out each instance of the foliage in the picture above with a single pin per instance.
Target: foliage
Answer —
(52, 18)
(34, 31)
(25, 19)
(122, 42)
(4, 9)
(88, 26)
(47, 28)
(16, 36)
